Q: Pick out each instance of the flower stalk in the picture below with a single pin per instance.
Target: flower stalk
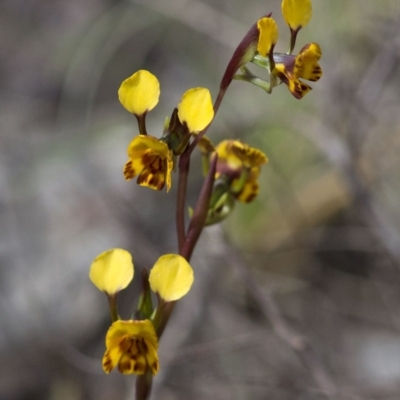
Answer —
(112, 299)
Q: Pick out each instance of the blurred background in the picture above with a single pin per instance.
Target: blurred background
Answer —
(296, 295)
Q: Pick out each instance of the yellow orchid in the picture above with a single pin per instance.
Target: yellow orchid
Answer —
(140, 92)
(289, 69)
(132, 347)
(240, 164)
(112, 271)
(171, 277)
(285, 68)
(150, 159)
(236, 177)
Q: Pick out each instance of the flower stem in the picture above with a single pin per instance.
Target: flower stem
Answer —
(142, 124)
(164, 310)
(293, 36)
(200, 212)
(112, 298)
(218, 100)
(162, 316)
(184, 164)
(143, 385)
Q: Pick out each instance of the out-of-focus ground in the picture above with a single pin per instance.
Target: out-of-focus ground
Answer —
(297, 296)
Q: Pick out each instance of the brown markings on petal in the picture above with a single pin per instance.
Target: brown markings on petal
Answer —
(148, 158)
(154, 367)
(300, 89)
(146, 178)
(143, 346)
(129, 172)
(317, 72)
(157, 164)
(156, 182)
(107, 364)
(160, 185)
(250, 197)
(134, 349)
(125, 344)
(139, 368)
(154, 172)
(125, 366)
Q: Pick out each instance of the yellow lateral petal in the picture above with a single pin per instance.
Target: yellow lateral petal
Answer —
(306, 65)
(251, 187)
(171, 277)
(112, 271)
(196, 109)
(140, 92)
(268, 35)
(297, 13)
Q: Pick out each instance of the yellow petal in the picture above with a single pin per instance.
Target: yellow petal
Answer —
(110, 360)
(140, 92)
(196, 109)
(112, 271)
(297, 13)
(171, 277)
(268, 35)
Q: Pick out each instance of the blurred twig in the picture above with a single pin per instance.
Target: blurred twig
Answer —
(345, 155)
(202, 18)
(270, 311)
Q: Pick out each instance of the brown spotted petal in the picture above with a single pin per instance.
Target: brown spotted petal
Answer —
(306, 64)
(129, 171)
(250, 156)
(285, 71)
